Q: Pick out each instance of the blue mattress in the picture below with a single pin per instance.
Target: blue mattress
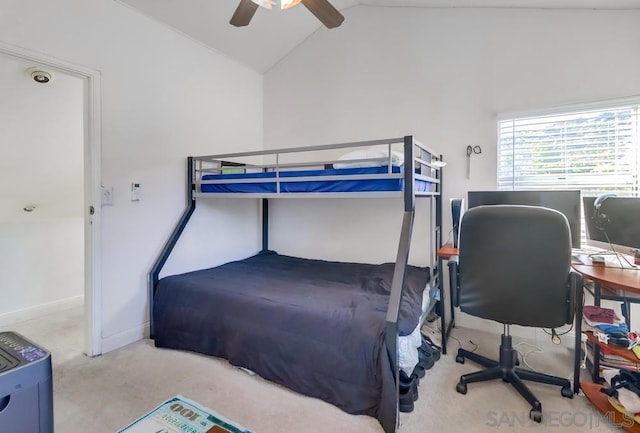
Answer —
(355, 185)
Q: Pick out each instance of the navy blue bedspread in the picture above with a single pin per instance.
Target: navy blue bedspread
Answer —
(314, 326)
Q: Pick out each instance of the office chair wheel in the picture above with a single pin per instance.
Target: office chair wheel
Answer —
(535, 415)
(461, 388)
(460, 359)
(566, 391)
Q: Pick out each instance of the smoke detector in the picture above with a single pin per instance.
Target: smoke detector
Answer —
(40, 76)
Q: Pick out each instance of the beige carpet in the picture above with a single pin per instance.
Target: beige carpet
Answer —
(102, 394)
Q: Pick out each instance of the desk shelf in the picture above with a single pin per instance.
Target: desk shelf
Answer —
(447, 251)
(600, 401)
(622, 352)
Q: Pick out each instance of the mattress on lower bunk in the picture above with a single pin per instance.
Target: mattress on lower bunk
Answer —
(354, 185)
(314, 326)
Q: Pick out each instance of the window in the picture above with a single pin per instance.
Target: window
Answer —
(595, 149)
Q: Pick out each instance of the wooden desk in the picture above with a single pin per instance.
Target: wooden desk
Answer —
(610, 283)
(446, 252)
(627, 280)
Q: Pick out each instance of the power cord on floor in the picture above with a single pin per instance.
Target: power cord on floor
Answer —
(523, 356)
(437, 331)
(475, 346)
(583, 364)
(457, 341)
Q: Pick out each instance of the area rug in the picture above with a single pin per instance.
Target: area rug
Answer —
(181, 415)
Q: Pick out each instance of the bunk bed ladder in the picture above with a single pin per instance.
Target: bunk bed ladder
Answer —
(171, 243)
(399, 273)
(402, 259)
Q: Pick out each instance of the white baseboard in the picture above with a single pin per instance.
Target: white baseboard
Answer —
(125, 337)
(13, 317)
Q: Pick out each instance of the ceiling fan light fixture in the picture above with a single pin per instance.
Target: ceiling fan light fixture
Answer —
(267, 4)
(286, 4)
(322, 9)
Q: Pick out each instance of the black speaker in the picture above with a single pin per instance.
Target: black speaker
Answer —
(457, 209)
(600, 219)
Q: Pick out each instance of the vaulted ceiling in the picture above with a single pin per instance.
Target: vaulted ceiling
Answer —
(274, 33)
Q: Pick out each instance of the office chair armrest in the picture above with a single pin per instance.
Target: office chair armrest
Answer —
(453, 281)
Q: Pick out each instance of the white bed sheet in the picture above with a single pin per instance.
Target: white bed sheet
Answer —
(408, 344)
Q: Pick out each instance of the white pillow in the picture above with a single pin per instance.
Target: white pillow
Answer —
(347, 160)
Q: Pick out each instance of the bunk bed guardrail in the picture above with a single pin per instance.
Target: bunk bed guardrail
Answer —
(278, 172)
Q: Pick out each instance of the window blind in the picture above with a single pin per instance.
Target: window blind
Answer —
(595, 150)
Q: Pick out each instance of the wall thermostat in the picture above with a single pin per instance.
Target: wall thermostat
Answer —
(136, 193)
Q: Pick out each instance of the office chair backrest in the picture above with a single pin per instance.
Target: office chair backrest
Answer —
(514, 265)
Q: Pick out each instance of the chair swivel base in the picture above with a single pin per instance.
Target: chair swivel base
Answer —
(506, 370)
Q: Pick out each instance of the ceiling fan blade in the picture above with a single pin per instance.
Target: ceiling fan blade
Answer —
(243, 14)
(325, 12)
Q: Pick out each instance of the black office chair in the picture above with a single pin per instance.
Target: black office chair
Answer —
(515, 268)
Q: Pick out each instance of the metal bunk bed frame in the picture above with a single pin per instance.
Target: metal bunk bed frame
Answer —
(195, 169)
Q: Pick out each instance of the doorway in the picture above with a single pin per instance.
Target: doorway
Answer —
(50, 210)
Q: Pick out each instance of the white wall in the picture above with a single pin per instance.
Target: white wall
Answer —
(42, 152)
(41, 144)
(164, 97)
(443, 75)
(42, 267)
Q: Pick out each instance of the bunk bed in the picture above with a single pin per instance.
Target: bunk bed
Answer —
(330, 330)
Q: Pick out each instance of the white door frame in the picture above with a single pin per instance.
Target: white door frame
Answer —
(92, 147)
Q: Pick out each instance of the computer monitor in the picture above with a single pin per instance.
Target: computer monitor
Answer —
(618, 219)
(565, 201)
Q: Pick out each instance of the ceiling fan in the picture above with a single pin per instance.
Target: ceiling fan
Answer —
(322, 9)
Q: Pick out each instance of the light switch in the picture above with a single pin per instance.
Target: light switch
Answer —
(107, 195)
